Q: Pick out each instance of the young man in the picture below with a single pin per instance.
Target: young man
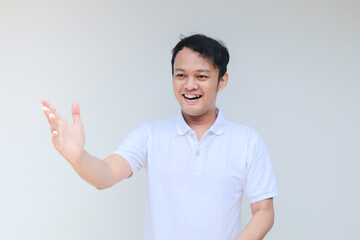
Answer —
(199, 165)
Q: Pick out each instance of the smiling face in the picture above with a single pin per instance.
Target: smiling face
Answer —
(195, 83)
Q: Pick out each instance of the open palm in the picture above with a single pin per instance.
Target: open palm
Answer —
(68, 139)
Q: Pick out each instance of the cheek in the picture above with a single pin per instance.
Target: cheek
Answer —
(176, 86)
(176, 90)
(211, 90)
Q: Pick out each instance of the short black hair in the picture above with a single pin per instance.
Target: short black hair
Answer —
(208, 48)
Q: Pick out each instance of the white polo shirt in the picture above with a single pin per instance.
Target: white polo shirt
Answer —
(196, 187)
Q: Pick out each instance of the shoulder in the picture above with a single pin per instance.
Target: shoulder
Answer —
(239, 130)
(242, 136)
(158, 126)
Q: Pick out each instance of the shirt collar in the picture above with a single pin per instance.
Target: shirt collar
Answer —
(217, 128)
(219, 124)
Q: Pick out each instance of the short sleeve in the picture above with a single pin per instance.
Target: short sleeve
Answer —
(260, 181)
(134, 147)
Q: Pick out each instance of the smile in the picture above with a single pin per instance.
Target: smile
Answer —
(191, 97)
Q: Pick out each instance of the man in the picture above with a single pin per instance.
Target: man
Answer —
(199, 165)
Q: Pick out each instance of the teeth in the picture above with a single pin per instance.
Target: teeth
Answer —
(191, 96)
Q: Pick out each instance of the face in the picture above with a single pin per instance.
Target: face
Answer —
(195, 83)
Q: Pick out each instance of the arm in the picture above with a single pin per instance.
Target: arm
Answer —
(69, 140)
(261, 221)
(102, 173)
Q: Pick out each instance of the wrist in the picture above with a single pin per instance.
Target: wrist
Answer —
(78, 158)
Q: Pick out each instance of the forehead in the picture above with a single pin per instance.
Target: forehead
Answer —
(188, 59)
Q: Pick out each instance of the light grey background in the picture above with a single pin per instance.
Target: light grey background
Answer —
(294, 77)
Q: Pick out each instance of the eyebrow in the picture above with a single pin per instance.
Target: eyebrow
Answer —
(199, 70)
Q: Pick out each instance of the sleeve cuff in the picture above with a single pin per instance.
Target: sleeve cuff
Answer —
(262, 197)
(123, 155)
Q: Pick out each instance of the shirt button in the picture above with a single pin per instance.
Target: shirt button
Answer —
(197, 153)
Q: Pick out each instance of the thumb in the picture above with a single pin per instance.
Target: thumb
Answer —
(76, 113)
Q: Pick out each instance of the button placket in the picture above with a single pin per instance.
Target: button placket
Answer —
(198, 160)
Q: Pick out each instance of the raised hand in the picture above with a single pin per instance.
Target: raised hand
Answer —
(68, 139)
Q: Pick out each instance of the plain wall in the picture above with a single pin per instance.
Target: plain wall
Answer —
(294, 77)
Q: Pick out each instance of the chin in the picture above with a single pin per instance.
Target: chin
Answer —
(188, 111)
(191, 112)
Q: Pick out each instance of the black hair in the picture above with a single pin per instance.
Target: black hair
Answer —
(208, 48)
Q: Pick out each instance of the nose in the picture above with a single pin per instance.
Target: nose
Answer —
(191, 84)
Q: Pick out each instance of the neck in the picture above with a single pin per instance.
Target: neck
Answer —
(200, 124)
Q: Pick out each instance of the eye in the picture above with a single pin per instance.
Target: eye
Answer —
(202, 77)
(180, 75)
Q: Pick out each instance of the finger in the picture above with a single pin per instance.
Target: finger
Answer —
(53, 122)
(51, 108)
(55, 139)
(75, 109)
(46, 112)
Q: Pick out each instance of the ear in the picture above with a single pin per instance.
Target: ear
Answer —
(223, 82)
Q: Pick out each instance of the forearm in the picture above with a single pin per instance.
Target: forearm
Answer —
(259, 225)
(94, 171)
